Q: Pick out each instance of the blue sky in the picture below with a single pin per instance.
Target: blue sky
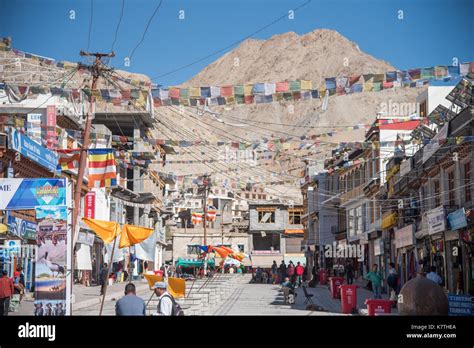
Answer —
(432, 32)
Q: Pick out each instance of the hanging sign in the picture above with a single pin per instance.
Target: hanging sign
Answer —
(89, 205)
(457, 219)
(436, 220)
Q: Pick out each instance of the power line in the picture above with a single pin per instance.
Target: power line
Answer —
(231, 45)
(118, 25)
(146, 29)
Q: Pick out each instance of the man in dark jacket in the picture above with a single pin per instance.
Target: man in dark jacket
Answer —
(282, 272)
(103, 278)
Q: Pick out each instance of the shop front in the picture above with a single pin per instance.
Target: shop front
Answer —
(436, 223)
(406, 259)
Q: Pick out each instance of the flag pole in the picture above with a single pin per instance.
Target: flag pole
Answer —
(108, 274)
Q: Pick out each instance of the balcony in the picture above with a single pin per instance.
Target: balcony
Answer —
(354, 194)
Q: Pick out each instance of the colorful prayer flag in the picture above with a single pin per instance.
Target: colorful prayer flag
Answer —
(102, 169)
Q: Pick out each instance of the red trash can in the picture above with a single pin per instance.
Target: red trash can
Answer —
(159, 273)
(348, 298)
(334, 284)
(378, 306)
(323, 277)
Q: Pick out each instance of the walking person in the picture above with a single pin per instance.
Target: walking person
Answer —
(167, 306)
(291, 272)
(103, 278)
(299, 273)
(282, 271)
(6, 292)
(130, 304)
(376, 279)
(434, 276)
(392, 279)
(274, 272)
(350, 272)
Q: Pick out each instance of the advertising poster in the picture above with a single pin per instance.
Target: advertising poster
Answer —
(33, 127)
(18, 194)
(22, 228)
(51, 261)
(51, 141)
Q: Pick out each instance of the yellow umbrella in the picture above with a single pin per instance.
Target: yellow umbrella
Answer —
(3, 228)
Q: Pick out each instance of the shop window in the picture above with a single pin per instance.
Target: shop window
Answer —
(266, 217)
(451, 193)
(241, 248)
(294, 217)
(467, 182)
(436, 193)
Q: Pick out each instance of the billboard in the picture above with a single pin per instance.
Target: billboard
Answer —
(22, 228)
(17, 194)
(32, 150)
(51, 261)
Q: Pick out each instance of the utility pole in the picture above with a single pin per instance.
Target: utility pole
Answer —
(96, 71)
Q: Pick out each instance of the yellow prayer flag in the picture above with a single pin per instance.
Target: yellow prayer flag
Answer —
(152, 279)
(194, 92)
(106, 230)
(176, 287)
(306, 85)
(248, 89)
(132, 235)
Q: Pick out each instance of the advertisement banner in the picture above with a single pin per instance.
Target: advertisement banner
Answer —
(378, 247)
(51, 141)
(404, 237)
(89, 205)
(435, 219)
(51, 261)
(32, 150)
(33, 127)
(86, 238)
(457, 219)
(22, 228)
(17, 194)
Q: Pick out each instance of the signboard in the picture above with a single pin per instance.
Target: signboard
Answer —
(17, 194)
(435, 219)
(405, 167)
(89, 205)
(404, 237)
(430, 148)
(51, 261)
(378, 247)
(461, 305)
(457, 219)
(296, 231)
(13, 246)
(86, 238)
(51, 127)
(265, 252)
(22, 228)
(33, 127)
(32, 150)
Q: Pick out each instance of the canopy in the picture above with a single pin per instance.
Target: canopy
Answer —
(194, 263)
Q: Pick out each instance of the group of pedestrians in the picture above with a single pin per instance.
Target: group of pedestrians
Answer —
(133, 305)
(295, 274)
(11, 290)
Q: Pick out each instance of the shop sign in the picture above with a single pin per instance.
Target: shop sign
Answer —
(86, 238)
(22, 228)
(32, 150)
(457, 219)
(435, 219)
(388, 220)
(265, 252)
(404, 237)
(405, 167)
(51, 127)
(297, 231)
(13, 246)
(378, 247)
(33, 127)
(461, 305)
(89, 205)
(17, 194)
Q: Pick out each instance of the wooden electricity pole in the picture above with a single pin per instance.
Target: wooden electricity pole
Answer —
(96, 71)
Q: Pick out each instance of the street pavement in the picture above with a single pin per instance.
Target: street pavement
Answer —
(245, 299)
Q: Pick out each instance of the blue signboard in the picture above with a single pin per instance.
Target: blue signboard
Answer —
(32, 150)
(22, 228)
(30, 193)
(461, 305)
(457, 219)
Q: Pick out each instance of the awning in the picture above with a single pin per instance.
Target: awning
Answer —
(296, 231)
(185, 263)
(389, 220)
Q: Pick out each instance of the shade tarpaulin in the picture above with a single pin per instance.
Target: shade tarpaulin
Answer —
(176, 287)
(194, 263)
(105, 230)
(132, 235)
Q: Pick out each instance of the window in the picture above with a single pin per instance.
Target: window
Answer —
(467, 182)
(451, 193)
(247, 195)
(294, 217)
(351, 222)
(193, 249)
(436, 193)
(241, 248)
(358, 226)
(254, 196)
(266, 217)
(423, 109)
(371, 211)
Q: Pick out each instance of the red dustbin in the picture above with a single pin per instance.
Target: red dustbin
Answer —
(323, 277)
(348, 298)
(334, 284)
(375, 306)
(159, 273)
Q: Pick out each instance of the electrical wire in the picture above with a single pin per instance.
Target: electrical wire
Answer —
(90, 25)
(118, 25)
